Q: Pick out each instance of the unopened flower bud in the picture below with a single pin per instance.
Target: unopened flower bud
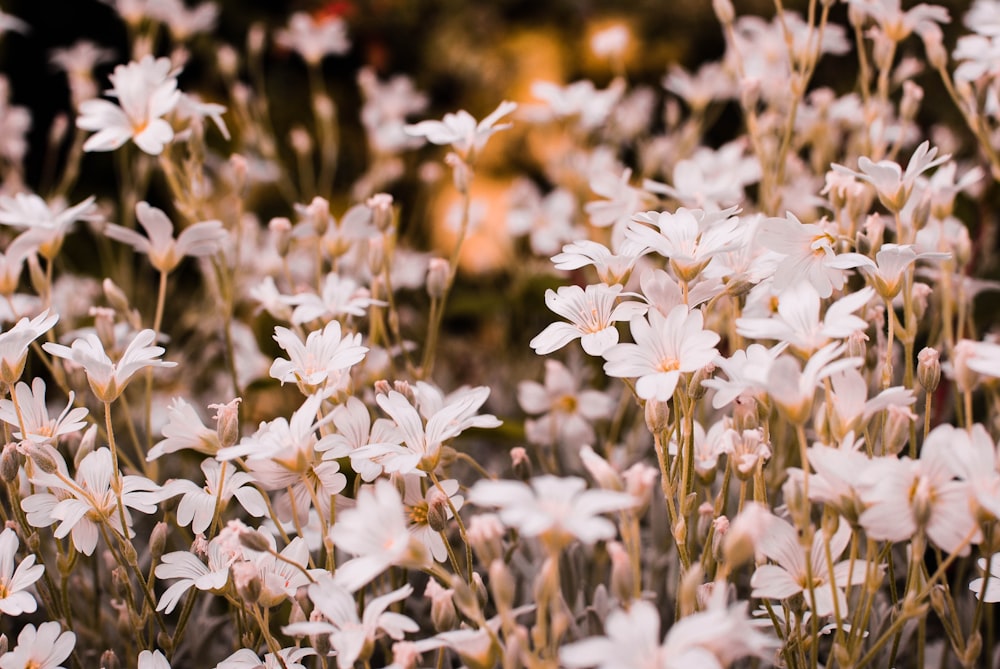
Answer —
(382, 387)
(115, 296)
(437, 278)
(622, 576)
(521, 462)
(600, 469)
(318, 213)
(323, 106)
(158, 540)
(461, 173)
(87, 443)
(3, 644)
(281, 233)
(857, 345)
(913, 95)
(485, 533)
(465, 599)
(933, 39)
(44, 456)
(254, 540)
(680, 531)
(405, 389)
(246, 579)
(897, 428)
(109, 660)
(657, 416)
(695, 389)
(503, 585)
(255, 38)
(973, 647)
(724, 11)
(749, 93)
(381, 206)
(437, 511)
(376, 256)
(300, 140)
(929, 368)
(720, 530)
(640, 479)
(119, 583)
(227, 422)
(966, 379)
(443, 614)
(687, 594)
(10, 463)
(227, 59)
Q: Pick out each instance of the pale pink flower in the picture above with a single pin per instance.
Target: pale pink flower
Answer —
(791, 575)
(324, 359)
(165, 252)
(841, 473)
(592, 314)
(350, 634)
(887, 271)
(184, 430)
(355, 429)
(153, 660)
(892, 184)
(568, 412)
(14, 582)
(613, 266)
(14, 344)
(664, 348)
(798, 324)
(793, 388)
(746, 371)
(581, 100)
(108, 378)
(688, 238)
(38, 427)
(376, 531)
(286, 658)
(898, 24)
(48, 221)
(621, 200)
(43, 648)
(199, 504)
(146, 91)
(461, 131)
(340, 296)
(79, 505)
(556, 509)
(314, 39)
(850, 410)
(808, 253)
(192, 572)
(910, 496)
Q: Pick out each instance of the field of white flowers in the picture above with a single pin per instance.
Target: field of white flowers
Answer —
(563, 381)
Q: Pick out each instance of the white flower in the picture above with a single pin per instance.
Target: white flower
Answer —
(14, 344)
(165, 252)
(664, 348)
(376, 531)
(568, 412)
(325, 358)
(892, 184)
(689, 238)
(48, 221)
(191, 571)
(341, 296)
(153, 660)
(35, 415)
(557, 509)
(351, 635)
(184, 430)
(808, 253)
(79, 504)
(355, 429)
(791, 574)
(314, 39)
(991, 593)
(43, 648)
(286, 658)
(592, 314)
(461, 131)
(146, 91)
(108, 378)
(199, 504)
(14, 598)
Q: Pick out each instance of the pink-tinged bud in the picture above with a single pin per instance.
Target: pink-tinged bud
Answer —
(438, 271)
(437, 511)
(601, 470)
(521, 463)
(933, 39)
(281, 234)
(485, 533)
(255, 38)
(929, 368)
(720, 528)
(744, 533)
(300, 140)
(966, 379)
(376, 256)
(897, 428)
(318, 213)
(228, 60)
(382, 214)
(227, 417)
(246, 580)
(622, 575)
(913, 95)
(443, 614)
(323, 106)
(503, 585)
(382, 387)
(724, 11)
(109, 660)
(640, 479)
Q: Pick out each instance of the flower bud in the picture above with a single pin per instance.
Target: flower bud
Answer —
(933, 39)
(443, 614)
(227, 422)
(382, 214)
(640, 479)
(724, 11)
(657, 416)
(485, 533)
(158, 540)
(897, 428)
(44, 456)
(929, 368)
(695, 389)
(246, 579)
(254, 540)
(622, 575)
(281, 234)
(966, 379)
(437, 511)
(109, 660)
(465, 599)
(503, 585)
(10, 463)
(437, 278)
(300, 140)
(521, 462)
(687, 594)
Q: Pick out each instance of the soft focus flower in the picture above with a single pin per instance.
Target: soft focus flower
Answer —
(48, 221)
(557, 509)
(34, 416)
(567, 411)
(146, 91)
(165, 252)
(461, 131)
(314, 39)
